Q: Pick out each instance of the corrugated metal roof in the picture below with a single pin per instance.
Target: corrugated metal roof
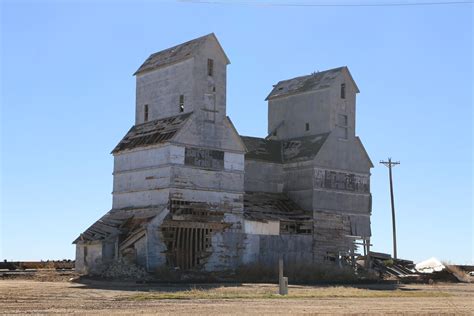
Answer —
(151, 133)
(281, 151)
(315, 81)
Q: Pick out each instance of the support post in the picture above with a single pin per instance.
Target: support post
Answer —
(282, 281)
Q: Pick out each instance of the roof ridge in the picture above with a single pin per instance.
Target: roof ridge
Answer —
(313, 81)
(313, 73)
(185, 43)
(172, 54)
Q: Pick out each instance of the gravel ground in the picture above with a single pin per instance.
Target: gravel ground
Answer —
(98, 297)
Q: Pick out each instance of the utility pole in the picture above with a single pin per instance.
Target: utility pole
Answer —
(389, 164)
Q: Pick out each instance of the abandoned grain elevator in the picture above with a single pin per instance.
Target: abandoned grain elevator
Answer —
(189, 192)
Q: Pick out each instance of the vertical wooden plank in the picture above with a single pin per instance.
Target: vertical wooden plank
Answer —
(188, 262)
(191, 251)
(195, 247)
(202, 239)
(178, 247)
(186, 249)
(173, 247)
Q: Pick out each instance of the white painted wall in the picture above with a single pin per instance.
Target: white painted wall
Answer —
(161, 88)
(233, 161)
(262, 228)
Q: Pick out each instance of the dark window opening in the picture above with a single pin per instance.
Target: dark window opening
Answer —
(295, 228)
(210, 67)
(181, 103)
(343, 91)
(307, 126)
(145, 114)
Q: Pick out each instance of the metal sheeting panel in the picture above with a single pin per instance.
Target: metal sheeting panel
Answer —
(360, 226)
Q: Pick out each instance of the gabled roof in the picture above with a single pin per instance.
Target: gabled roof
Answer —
(176, 53)
(315, 81)
(272, 206)
(281, 151)
(152, 133)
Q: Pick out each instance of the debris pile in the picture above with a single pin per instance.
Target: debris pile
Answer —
(426, 271)
(124, 271)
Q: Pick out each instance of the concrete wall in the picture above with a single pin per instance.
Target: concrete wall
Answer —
(88, 257)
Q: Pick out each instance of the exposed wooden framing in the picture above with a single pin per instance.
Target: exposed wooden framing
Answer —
(188, 242)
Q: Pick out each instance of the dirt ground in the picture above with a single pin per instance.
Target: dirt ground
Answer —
(98, 297)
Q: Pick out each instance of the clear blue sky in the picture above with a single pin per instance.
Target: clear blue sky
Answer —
(68, 97)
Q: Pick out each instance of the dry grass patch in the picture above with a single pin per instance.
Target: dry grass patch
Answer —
(270, 292)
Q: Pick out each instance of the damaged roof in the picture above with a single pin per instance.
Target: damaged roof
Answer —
(281, 151)
(151, 133)
(118, 221)
(315, 81)
(175, 54)
(272, 206)
(262, 149)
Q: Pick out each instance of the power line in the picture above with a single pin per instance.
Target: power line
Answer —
(287, 4)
